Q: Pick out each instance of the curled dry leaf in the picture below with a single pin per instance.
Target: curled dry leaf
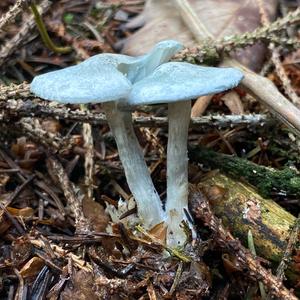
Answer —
(221, 18)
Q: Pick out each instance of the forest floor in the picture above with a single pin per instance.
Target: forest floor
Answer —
(65, 233)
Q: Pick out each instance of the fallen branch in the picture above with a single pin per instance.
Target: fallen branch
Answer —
(17, 102)
(242, 208)
(210, 50)
(74, 198)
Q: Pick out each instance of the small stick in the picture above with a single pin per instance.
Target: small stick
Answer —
(177, 278)
(13, 12)
(275, 57)
(89, 156)
(68, 188)
(26, 29)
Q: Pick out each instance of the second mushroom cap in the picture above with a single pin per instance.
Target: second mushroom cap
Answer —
(178, 81)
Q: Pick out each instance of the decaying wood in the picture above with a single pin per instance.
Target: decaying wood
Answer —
(202, 211)
(266, 180)
(242, 209)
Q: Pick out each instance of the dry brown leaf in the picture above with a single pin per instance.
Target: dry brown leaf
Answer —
(95, 215)
(80, 287)
(32, 267)
(221, 18)
(159, 231)
(233, 101)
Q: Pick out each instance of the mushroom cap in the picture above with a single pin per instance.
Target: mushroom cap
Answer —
(93, 80)
(103, 77)
(178, 81)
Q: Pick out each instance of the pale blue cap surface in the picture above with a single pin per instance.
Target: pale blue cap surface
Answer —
(177, 81)
(103, 77)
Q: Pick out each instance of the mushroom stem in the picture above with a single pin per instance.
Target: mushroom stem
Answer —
(136, 171)
(177, 171)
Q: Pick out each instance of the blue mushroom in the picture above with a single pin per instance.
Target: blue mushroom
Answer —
(176, 83)
(115, 79)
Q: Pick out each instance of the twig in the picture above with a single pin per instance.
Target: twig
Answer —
(197, 28)
(89, 158)
(177, 278)
(13, 12)
(294, 238)
(268, 33)
(21, 291)
(74, 198)
(202, 211)
(16, 102)
(14, 43)
(210, 50)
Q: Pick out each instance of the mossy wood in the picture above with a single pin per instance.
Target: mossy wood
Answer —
(267, 180)
(242, 209)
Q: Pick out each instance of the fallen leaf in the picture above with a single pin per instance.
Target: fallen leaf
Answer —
(95, 215)
(221, 18)
(159, 231)
(80, 287)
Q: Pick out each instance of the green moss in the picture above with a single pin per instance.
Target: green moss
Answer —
(266, 180)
